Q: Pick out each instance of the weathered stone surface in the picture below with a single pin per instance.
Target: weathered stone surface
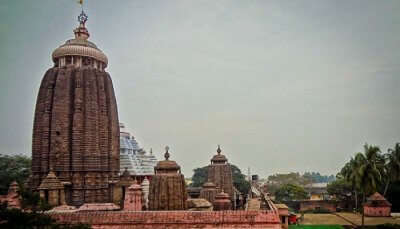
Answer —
(222, 202)
(220, 174)
(199, 204)
(76, 133)
(167, 187)
(208, 192)
(133, 198)
(172, 219)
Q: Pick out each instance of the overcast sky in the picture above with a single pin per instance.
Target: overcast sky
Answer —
(282, 85)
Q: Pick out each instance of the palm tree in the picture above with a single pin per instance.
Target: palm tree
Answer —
(349, 173)
(392, 166)
(370, 167)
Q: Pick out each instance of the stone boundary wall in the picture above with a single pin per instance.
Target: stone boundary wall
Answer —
(171, 219)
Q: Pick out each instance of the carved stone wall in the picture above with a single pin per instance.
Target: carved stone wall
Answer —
(76, 133)
(172, 219)
(221, 176)
(168, 192)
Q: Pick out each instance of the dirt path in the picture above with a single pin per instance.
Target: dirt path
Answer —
(347, 220)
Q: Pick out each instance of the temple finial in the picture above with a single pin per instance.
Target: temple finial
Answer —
(166, 155)
(219, 149)
(82, 18)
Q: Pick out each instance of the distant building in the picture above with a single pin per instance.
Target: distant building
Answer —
(318, 191)
(138, 162)
(377, 205)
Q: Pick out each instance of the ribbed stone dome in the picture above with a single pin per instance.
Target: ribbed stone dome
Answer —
(219, 158)
(80, 46)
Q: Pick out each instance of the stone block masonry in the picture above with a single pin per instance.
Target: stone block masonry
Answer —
(171, 219)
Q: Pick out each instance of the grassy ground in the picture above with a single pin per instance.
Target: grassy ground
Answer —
(330, 219)
(356, 218)
(315, 227)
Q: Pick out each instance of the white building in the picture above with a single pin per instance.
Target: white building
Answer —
(132, 157)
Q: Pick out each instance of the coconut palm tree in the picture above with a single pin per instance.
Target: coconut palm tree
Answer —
(370, 167)
(349, 173)
(392, 166)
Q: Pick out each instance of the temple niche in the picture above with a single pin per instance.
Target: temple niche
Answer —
(220, 174)
(75, 139)
(167, 187)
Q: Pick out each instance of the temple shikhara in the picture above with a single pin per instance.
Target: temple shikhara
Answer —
(91, 170)
(75, 144)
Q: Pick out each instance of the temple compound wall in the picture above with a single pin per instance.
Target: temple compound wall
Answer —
(171, 219)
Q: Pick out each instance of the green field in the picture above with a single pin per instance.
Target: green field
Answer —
(315, 227)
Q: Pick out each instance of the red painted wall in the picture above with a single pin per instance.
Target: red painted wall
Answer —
(377, 211)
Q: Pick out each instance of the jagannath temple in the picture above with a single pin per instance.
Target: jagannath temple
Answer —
(133, 158)
(75, 143)
(89, 168)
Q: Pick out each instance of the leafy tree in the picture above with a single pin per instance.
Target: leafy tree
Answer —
(289, 178)
(342, 190)
(13, 168)
(199, 177)
(239, 180)
(289, 192)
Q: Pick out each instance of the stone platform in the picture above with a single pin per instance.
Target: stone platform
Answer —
(171, 219)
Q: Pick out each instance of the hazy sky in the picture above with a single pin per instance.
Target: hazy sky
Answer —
(282, 85)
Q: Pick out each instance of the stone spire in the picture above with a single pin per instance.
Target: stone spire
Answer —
(167, 187)
(220, 174)
(75, 130)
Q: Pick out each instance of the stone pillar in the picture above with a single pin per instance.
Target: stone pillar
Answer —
(133, 198)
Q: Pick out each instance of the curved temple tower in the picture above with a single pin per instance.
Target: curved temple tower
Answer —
(167, 187)
(220, 173)
(75, 130)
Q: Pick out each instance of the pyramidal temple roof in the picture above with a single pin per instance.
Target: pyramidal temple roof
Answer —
(132, 157)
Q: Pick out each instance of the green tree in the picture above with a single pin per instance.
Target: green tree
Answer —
(199, 177)
(367, 171)
(392, 166)
(239, 180)
(289, 192)
(13, 168)
(341, 189)
(15, 218)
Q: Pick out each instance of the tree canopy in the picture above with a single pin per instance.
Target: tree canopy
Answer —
(13, 168)
(289, 192)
